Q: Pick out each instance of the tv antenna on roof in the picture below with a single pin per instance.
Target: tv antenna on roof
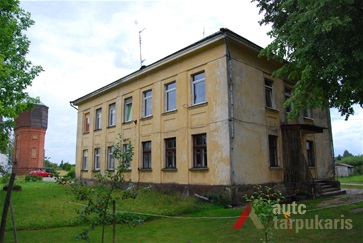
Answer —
(141, 61)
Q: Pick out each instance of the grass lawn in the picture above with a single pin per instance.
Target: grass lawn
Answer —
(43, 214)
(358, 179)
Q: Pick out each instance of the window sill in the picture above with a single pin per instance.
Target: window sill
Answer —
(145, 170)
(169, 169)
(85, 133)
(276, 168)
(113, 126)
(98, 129)
(127, 122)
(271, 109)
(199, 169)
(198, 105)
(84, 170)
(111, 170)
(169, 112)
(146, 118)
(96, 170)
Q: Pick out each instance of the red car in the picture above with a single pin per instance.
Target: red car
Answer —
(41, 172)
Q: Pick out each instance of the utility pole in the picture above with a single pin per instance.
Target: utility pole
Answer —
(141, 61)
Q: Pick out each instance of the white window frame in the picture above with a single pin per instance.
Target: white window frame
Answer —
(98, 119)
(110, 158)
(85, 160)
(194, 82)
(146, 103)
(128, 109)
(171, 150)
(97, 159)
(269, 94)
(167, 96)
(112, 115)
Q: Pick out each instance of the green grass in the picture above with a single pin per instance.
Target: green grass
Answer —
(46, 206)
(358, 179)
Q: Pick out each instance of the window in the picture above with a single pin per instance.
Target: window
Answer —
(147, 103)
(307, 113)
(34, 153)
(288, 96)
(272, 144)
(86, 122)
(170, 97)
(112, 115)
(200, 150)
(198, 88)
(98, 123)
(127, 164)
(128, 109)
(97, 159)
(110, 158)
(146, 155)
(170, 153)
(269, 94)
(310, 153)
(85, 160)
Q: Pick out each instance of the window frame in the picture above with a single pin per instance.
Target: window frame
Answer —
(310, 153)
(147, 103)
(128, 109)
(85, 159)
(127, 166)
(273, 151)
(110, 158)
(98, 119)
(202, 152)
(194, 82)
(169, 156)
(269, 95)
(97, 159)
(167, 98)
(87, 122)
(288, 94)
(112, 115)
(146, 155)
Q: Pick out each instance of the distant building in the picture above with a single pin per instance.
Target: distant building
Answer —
(209, 117)
(343, 170)
(29, 139)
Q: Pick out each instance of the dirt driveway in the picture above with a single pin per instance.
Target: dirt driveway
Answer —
(353, 195)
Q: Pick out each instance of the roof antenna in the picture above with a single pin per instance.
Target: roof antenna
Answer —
(141, 61)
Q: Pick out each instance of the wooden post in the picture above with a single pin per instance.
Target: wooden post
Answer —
(6, 207)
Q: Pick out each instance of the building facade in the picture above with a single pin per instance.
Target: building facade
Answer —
(29, 139)
(208, 116)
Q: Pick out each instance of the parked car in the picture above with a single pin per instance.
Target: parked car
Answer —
(41, 172)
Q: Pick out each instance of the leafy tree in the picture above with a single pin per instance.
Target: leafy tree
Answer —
(322, 42)
(347, 154)
(49, 164)
(16, 73)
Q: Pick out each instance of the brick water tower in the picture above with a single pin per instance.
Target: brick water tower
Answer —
(29, 138)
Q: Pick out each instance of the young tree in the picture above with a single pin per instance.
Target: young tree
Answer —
(322, 43)
(16, 73)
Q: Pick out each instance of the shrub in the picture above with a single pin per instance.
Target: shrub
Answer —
(5, 179)
(71, 173)
(33, 178)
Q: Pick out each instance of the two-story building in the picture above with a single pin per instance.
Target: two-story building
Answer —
(207, 118)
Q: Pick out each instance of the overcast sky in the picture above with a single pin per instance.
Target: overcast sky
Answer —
(84, 45)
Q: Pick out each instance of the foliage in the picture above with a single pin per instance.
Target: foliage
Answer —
(5, 179)
(356, 161)
(49, 164)
(16, 73)
(262, 201)
(33, 178)
(322, 44)
(71, 173)
(97, 211)
(66, 166)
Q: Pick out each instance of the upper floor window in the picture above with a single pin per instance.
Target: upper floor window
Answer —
(310, 153)
(269, 94)
(86, 122)
(98, 122)
(128, 109)
(170, 153)
(146, 155)
(272, 144)
(112, 115)
(110, 158)
(85, 160)
(200, 150)
(97, 159)
(198, 88)
(147, 103)
(288, 96)
(170, 96)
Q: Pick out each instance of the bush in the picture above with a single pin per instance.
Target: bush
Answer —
(5, 179)
(72, 172)
(33, 178)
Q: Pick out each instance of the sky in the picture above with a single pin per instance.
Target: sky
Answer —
(85, 45)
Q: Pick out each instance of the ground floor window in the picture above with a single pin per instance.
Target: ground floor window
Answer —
(110, 158)
(85, 160)
(146, 152)
(170, 153)
(97, 159)
(272, 141)
(200, 150)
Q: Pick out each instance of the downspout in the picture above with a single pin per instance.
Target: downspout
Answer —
(71, 103)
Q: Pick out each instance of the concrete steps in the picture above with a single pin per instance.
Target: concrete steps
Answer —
(327, 189)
